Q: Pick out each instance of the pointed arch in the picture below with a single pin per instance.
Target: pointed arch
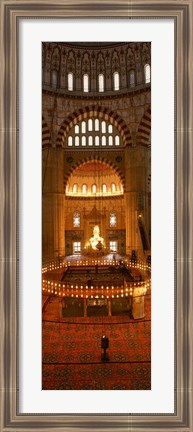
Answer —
(97, 158)
(94, 112)
(144, 129)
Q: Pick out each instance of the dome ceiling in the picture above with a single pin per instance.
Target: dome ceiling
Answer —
(93, 168)
(96, 68)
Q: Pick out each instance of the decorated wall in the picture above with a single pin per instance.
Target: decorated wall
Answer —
(126, 162)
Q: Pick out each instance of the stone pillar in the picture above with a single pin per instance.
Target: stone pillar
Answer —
(53, 200)
(132, 235)
(60, 309)
(109, 307)
(136, 195)
(47, 228)
(59, 224)
(138, 310)
(47, 206)
(85, 307)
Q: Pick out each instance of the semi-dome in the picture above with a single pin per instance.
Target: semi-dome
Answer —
(94, 179)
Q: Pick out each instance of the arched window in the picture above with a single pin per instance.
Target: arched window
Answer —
(70, 81)
(75, 188)
(84, 188)
(76, 140)
(147, 73)
(116, 80)
(117, 140)
(121, 187)
(103, 127)
(54, 79)
(90, 125)
(96, 124)
(94, 188)
(67, 188)
(76, 220)
(83, 127)
(84, 133)
(110, 140)
(113, 219)
(70, 141)
(113, 188)
(132, 78)
(97, 140)
(85, 83)
(83, 141)
(103, 140)
(104, 188)
(101, 82)
(90, 140)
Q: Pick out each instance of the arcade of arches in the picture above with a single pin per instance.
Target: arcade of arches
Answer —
(96, 216)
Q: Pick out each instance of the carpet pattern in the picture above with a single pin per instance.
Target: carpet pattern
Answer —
(71, 352)
(97, 377)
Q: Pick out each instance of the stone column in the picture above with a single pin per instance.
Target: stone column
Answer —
(47, 206)
(85, 307)
(132, 235)
(135, 188)
(59, 224)
(109, 307)
(53, 200)
(60, 309)
(138, 310)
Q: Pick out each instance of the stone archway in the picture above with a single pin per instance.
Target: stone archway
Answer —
(97, 158)
(144, 129)
(96, 112)
(87, 208)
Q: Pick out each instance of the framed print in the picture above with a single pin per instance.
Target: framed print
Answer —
(96, 215)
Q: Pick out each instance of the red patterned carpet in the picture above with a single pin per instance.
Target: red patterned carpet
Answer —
(71, 351)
